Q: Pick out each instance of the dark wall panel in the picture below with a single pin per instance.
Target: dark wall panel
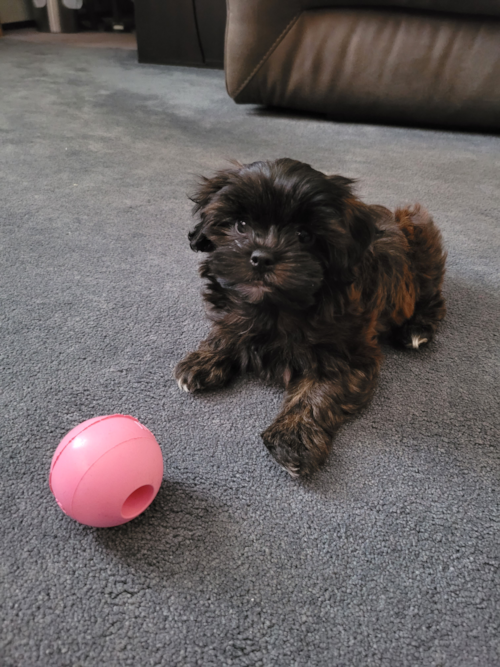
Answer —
(166, 32)
(211, 18)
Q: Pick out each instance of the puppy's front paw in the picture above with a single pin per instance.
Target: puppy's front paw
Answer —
(300, 448)
(202, 370)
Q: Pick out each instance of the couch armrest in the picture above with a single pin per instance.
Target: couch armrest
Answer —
(253, 28)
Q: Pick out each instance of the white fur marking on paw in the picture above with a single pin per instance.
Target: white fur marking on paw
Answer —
(182, 385)
(417, 341)
(293, 471)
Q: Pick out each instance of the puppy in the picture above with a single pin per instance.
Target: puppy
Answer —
(302, 282)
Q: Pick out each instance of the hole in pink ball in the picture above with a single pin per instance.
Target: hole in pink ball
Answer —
(137, 501)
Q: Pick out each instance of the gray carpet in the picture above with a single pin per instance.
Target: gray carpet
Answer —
(389, 556)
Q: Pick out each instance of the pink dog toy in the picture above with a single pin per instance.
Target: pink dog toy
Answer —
(106, 471)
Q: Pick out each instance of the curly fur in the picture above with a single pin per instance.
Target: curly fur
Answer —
(302, 281)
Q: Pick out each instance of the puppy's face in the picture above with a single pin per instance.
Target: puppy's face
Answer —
(274, 231)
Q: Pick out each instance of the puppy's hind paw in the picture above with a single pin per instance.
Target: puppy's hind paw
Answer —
(416, 341)
(413, 336)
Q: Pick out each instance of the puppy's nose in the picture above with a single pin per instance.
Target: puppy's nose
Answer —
(262, 259)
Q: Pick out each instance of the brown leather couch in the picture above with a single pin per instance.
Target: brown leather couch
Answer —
(404, 61)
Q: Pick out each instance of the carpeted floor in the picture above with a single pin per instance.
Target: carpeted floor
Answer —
(390, 555)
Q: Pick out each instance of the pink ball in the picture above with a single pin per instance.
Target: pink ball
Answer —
(106, 471)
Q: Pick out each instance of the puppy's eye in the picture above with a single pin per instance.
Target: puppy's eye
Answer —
(304, 236)
(241, 227)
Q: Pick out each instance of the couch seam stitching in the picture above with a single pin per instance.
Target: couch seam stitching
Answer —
(268, 53)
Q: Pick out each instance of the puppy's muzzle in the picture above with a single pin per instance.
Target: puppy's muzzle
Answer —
(262, 259)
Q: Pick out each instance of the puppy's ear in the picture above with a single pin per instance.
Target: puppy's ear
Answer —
(198, 241)
(361, 230)
(202, 198)
(357, 229)
(341, 184)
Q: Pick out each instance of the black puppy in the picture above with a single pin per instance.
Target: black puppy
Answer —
(302, 279)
